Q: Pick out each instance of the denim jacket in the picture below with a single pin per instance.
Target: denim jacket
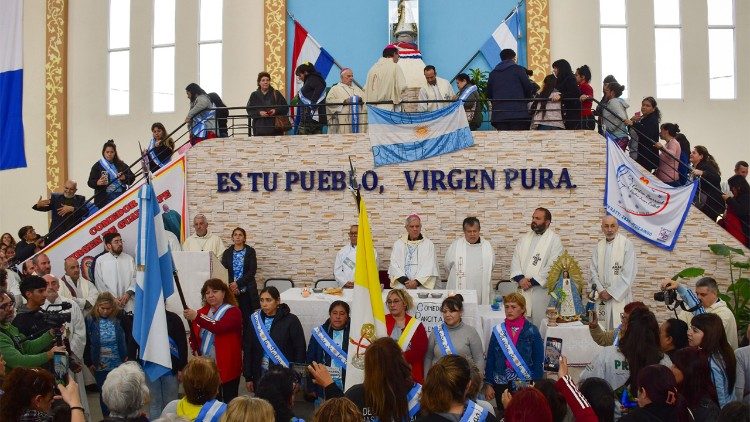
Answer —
(93, 346)
(531, 348)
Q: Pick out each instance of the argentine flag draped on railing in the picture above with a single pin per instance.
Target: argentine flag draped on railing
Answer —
(11, 85)
(154, 283)
(400, 137)
(643, 204)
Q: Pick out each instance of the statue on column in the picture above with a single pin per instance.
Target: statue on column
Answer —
(405, 36)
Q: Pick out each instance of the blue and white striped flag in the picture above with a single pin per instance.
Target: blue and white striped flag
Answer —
(400, 137)
(154, 283)
(509, 34)
(12, 153)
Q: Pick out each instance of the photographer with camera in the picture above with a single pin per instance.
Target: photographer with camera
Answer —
(705, 299)
(16, 349)
(30, 319)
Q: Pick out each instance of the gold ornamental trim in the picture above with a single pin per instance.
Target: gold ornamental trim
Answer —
(538, 38)
(274, 45)
(55, 85)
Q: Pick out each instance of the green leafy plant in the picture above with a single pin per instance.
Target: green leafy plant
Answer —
(480, 77)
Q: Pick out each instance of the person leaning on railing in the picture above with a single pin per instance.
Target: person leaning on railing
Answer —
(264, 105)
(708, 199)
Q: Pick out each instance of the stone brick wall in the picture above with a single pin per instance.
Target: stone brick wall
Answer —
(297, 233)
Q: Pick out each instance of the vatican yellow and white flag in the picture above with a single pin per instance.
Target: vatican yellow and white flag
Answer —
(368, 313)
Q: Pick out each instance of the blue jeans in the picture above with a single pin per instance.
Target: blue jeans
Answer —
(163, 391)
(100, 376)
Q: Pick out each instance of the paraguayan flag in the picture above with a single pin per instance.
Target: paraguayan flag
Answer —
(154, 283)
(400, 137)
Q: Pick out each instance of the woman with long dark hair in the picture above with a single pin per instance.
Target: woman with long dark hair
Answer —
(646, 125)
(684, 168)
(277, 387)
(639, 347)
(693, 375)
(673, 336)
(737, 217)
(707, 332)
(546, 113)
(329, 345)
(569, 93)
(200, 118)
(708, 198)
(241, 263)
(110, 176)
(658, 398)
(160, 150)
(668, 170)
(28, 394)
(583, 77)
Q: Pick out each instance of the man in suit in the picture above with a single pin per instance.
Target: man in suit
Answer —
(67, 210)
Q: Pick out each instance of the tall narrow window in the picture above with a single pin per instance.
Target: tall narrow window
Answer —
(209, 45)
(119, 57)
(163, 56)
(614, 42)
(721, 51)
(668, 48)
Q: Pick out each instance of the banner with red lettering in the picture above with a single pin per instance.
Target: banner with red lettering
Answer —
(85, 241)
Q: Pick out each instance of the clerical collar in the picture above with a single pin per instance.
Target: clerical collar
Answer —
(414, 240)
(201, 237)
(477, 242)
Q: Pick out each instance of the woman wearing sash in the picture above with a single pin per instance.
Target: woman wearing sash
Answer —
(444, 393)
(453, 337)
(275, 337)
(516, 351)
(160, 150)
(109, 177)
(707, 332)
(241, 263)
(201, 117)
(328, 345)
(407, 331)
(218, 329)
(201, 382)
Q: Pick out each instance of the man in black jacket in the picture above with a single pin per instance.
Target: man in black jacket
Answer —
(68, 209)
(508, 85)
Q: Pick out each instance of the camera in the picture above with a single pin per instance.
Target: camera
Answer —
(669, 297)
(54, 317)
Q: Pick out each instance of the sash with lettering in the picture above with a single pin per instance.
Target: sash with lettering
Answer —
(354, 100)
(116, 185)
(413, 397)
(474, 413)
(333, 350)
(269, 346)
(408, 333)
(207, 337)
(510, 352)
(533, 261)
(211, 411)
(152, 153)
(443, 340)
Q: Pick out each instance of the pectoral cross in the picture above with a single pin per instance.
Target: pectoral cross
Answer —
(617, 267)
(536, 259)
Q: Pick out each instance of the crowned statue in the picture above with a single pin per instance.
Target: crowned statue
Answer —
(405, 36)
(565, 284)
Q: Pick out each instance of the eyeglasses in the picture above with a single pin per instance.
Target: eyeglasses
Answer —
(352, 234)
(392, 302)
(7, 305)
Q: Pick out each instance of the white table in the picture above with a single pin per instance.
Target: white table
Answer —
(489, 319)
(577, 346)
(313, 310)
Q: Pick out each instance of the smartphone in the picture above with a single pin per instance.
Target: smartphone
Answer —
(60, 361)
(552, 353)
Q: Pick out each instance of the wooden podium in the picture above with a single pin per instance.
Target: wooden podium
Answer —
(193, 269)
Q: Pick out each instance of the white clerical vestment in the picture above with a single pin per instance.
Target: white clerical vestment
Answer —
(470, 266)
(385, 82)
(413, 259)
(532, 258)
(209, 243)
(442, 90)
(613, 268)
(77, 337)
(340, 116)
(81, 291)
(343, 267)
(116, 274)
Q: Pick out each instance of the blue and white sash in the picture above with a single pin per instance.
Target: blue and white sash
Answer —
(269, 346)
(211, 411)
(308, 105)
(173, 350)
(111, 169)
(443, 340)
(333, 350)
(354, 100)
(207, 337)
(152, 153)
(474, 413)
(413, 397)
(468, 91)
(510, 352)
(199, 122)
(616, 340)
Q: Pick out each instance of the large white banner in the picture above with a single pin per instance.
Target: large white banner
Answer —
(643, 204)
(85, 241)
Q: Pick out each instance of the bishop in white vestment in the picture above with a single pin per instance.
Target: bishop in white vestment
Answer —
(535, 253)
(469, 262)
(613, 269)
(344, 118)
(413, 259)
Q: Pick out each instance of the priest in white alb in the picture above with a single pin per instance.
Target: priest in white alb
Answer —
(77, 288)
(202, 240)
(435, 88)
(613, 269)
(535, 253)
(346, 259)
(386, 81)
(469, 262)
(114, 272)
(413, 259)
(346, 109)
